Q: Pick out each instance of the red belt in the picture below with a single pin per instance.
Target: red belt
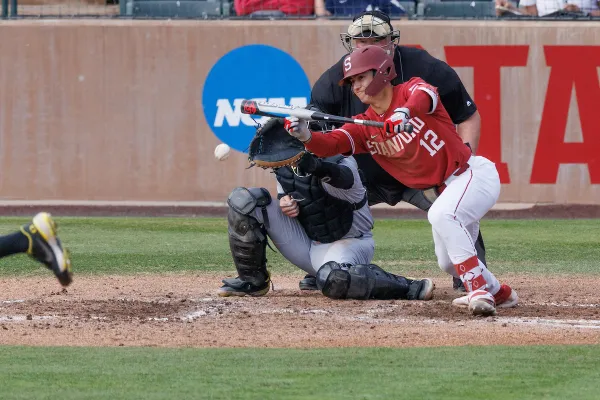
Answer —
(458, 172)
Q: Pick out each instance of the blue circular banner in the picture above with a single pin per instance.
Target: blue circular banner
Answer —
(253, 72)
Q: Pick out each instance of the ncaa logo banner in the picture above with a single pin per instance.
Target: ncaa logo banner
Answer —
(255, 72)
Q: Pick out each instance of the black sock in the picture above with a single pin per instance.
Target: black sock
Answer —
(13, 243)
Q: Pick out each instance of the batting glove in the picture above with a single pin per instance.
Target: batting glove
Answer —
(395, 123)
(298, 128)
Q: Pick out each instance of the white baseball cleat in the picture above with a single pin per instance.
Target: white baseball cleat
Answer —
(462, 301)
(505, 298)
(482, 303)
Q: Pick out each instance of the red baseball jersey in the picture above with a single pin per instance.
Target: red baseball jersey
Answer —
(421, 159)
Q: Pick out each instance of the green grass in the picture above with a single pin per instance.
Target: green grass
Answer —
(559, 372)
(151, 245)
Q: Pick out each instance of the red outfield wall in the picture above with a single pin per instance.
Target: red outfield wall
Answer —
(113, 110)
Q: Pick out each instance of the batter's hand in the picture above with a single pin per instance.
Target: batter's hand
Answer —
(396, 122)
(298, 128)
(289, 206)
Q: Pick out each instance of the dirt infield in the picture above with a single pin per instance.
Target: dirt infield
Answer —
(183, 310)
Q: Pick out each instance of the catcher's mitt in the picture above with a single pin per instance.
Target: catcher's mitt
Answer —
(273, 147)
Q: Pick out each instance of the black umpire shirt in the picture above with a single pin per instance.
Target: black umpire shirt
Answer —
(331, 98)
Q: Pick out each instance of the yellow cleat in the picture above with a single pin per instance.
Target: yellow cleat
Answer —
(45, 247)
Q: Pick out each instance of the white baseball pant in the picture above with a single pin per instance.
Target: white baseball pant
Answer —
(455, 217)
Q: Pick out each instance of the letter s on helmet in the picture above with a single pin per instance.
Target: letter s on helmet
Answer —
(370, 58)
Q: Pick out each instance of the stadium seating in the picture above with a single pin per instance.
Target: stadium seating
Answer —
(174, 8)
(410, 7)
(457, 8)
(218, 8)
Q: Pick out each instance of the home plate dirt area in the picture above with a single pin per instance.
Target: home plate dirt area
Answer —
(183, 310)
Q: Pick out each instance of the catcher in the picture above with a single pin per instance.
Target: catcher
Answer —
(322, 224)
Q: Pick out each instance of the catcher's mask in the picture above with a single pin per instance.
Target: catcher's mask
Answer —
(273, 147)
(374, 25)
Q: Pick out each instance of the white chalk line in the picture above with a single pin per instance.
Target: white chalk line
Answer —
(504, 321)
(534, 322)
(570, 305)
(555, 323)
(12, 301)
(21, 318)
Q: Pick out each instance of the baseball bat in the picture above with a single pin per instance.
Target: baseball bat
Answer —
(281, 111)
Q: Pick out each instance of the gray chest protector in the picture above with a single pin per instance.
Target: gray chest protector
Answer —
(248, 237)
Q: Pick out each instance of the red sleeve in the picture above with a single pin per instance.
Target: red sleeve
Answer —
(422, 98)
(346, 140)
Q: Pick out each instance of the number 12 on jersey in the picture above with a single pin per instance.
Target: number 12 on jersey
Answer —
(431, 143)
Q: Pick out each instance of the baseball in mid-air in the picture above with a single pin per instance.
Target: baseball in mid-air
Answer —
(222, 152)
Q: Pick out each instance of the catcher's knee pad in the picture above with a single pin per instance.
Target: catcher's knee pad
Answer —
(333, 280)
(245, 200)
(247, 236)
(340, 281)
(360, 282)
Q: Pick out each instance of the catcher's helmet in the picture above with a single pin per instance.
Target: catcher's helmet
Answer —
(373, 24)
(366, 59)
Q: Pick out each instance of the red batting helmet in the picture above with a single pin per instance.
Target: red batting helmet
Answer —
(370, 58)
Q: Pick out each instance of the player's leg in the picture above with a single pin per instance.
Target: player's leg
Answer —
(252, 216)
(364, 282)
(344, 251)
(417, 198)
(248, 243)
(13, 243)
(441, 253)
(288, 236)
(345, 272)
(446, 264)
(466, 199)
(383, 188)
(505, 297)
(39, 240)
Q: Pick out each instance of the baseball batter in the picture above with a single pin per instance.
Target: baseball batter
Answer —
(374, 28)
(432, 156)
(321, 223)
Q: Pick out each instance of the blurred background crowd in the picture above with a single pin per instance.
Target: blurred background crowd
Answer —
(308, 9)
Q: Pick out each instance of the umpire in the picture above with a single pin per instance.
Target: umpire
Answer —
(374, 27)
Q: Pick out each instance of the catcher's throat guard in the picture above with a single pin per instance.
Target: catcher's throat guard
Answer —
(273, 147)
